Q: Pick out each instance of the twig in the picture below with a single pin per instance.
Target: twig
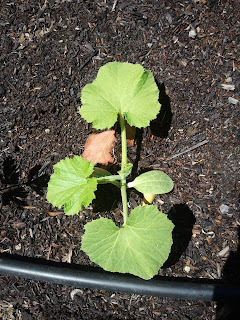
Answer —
(2, 151)
(189, 149)
(88, 60)
(114, 5)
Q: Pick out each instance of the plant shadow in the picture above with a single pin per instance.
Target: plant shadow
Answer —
(231, 276)
(183, 219)
(10, 173)
(159, 127)
(107, 198)
(14, 189)
(16, 195)
(38, 180)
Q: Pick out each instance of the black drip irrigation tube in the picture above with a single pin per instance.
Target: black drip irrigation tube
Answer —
(94, 279)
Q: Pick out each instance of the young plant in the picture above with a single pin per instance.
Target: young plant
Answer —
(142, 244)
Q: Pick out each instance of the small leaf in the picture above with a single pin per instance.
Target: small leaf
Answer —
(154, 181)
(98, 147)
(100, 172)
(126, 171)
(140, 247)
(120, 88)
(71, 186)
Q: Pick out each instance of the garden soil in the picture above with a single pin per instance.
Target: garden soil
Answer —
(48, 51)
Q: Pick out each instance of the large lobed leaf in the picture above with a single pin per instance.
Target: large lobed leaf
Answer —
(70, 185)
(140, 247)
(120, 88)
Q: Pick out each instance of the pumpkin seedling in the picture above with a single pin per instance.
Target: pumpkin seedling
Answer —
(142, 244)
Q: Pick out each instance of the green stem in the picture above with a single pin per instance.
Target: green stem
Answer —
(124, 163)
(114, 182)
(107, 179)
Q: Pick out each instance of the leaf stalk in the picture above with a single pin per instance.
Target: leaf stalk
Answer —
(124, 164)
(110, 179)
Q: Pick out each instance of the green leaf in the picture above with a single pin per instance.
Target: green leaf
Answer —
(154, 181)
(120, 88)
(99, 172)
(70, 185)
(140, 247)
(126, 171)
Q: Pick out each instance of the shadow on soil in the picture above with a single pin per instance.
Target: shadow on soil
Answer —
(37, 179)
(107, 198)
(183, 220)
(159, 127)
(13, 189)
(231, 276)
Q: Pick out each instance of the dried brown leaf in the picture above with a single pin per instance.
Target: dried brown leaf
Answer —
(98, 147)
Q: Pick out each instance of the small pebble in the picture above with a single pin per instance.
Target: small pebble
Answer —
(187, 269)
(229, 80)
(224, 208)
(198, 30)
(169, 18)
(227, 86)
(192, 34)
(232, 100)
(175, 39)
(18, 246)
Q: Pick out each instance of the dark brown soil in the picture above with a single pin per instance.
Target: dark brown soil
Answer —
(48, 52)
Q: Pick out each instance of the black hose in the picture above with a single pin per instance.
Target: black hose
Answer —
(117, 282)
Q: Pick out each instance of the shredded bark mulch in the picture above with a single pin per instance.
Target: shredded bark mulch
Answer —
(48, 51)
